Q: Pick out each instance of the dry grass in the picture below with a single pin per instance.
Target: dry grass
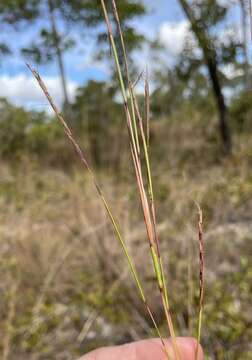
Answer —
(68, 268)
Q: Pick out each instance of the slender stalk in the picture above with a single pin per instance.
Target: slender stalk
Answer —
(134, 123)
(152, 206)
(86, 165)
(59, 55)
(147, 107)
(148, 209)
(201, 277)
(132, 96)
(189, 288)
(250, 8)
(126, 66)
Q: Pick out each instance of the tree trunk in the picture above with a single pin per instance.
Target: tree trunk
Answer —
(244, 4)
(221, 105)
(210, 58)
(59, 54)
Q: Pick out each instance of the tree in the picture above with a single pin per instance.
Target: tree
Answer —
(127, 10)
(50, 44)
(17, 128)
(55, 38)
(245, 5)
(94, 110)
(12, 12)
(204, 15)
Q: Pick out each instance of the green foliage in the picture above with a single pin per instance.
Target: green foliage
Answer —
(4, 49)
(208, 16)
(241, 111)
(44, 51)
(14, 123)
(231, 298)
(94, 117)
(76, 13)
(95, 100)
(210, 12)
(24, 131)
(177, 89)
(14, 11)
(95, 114)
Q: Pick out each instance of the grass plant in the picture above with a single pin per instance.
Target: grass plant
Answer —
(138, 133)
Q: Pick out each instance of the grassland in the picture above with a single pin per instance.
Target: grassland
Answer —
(64, 282)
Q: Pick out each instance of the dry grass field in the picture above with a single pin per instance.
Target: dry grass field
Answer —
(65, 285)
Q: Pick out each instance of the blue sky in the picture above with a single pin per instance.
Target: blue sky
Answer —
(164, 20)
(158, 13)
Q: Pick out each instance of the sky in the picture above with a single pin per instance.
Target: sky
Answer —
(164, 21)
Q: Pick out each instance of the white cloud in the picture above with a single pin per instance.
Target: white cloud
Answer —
(223, 2)
(173, 36)
(230, 71)
(23, 90)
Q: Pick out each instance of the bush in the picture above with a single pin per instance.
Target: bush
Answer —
(241, 112)
(25, 132)
(13, 125)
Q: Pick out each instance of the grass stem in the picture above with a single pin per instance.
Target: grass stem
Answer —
(86, 165)
(201, 277)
